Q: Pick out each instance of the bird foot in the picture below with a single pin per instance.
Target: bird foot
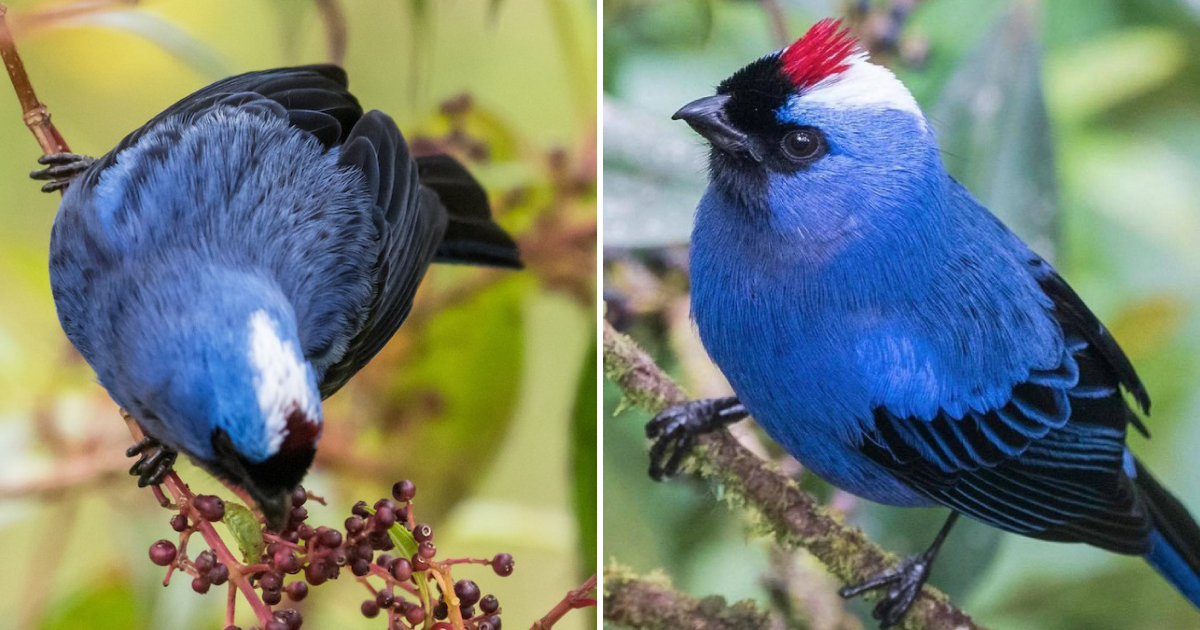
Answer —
(61, 169)
(903, 584)
(676, 430)
(155, 462)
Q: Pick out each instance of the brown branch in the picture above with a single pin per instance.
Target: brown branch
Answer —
(36, 116)
(791, 515)
(573, 600)
(335, 29)
(777, 21)
(651, 604)
(70, 473)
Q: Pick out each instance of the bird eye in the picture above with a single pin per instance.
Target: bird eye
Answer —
(804, 145)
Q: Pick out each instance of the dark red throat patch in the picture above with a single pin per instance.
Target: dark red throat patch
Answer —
(302, 432)
(824, 51)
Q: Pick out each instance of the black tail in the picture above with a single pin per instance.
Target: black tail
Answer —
(471, 236)
(1175, 539)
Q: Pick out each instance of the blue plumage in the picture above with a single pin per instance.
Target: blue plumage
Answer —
(893, 335)
(242, 255)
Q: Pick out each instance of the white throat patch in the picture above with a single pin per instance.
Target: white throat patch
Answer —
(864, 85)
(282, 379)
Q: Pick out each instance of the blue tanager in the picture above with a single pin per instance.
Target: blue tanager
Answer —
(238, 258)
(893, 335)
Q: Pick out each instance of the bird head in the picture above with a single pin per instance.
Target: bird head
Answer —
(223, 379)
(814, 138)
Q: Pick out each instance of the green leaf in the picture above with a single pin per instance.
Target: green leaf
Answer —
(408, 546)
(583, 460)
(995, 134)
(246, 532)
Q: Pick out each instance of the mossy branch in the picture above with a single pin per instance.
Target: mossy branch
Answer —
(790, 515)
(651, 604)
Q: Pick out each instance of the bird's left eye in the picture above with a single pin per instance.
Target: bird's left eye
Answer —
(804, 146)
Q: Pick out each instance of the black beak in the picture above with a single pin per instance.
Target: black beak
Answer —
(269, 482)
(276, 508)
(707, 116)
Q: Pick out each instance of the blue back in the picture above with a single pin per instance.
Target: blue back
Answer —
(205, 220)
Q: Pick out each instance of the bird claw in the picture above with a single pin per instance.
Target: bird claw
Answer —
(60, 169)
(903, 584)
(155, 463)
(676, 430)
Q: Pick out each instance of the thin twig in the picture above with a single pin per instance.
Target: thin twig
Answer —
(335, 29)
(793, 516)
(574, 600)
(70, 474)
(36, 116)
(777, 21)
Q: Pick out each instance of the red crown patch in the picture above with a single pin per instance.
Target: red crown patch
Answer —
(822, 52)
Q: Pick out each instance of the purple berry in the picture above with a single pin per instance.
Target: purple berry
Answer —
(162, 553)
(402, 569)
(467, 592)
(205, 561)
(210, 507)
(331, 538)
(489, 604)
(296, 591)
(404, 490)
(502, 564)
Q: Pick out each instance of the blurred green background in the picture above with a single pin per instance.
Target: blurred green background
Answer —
(1077, 121)
(485, 398)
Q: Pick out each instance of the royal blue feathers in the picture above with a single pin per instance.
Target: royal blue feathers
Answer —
(247, 251)
(900, 341)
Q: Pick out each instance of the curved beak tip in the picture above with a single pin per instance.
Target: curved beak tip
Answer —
(275, 509)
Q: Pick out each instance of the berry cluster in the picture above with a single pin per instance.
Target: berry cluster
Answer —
(379, 543)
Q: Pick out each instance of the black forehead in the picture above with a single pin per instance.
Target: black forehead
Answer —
(758, 91)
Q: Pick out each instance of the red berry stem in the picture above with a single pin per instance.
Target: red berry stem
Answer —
(230, 606)
(183, 496)
(454, 561)
(575, 599)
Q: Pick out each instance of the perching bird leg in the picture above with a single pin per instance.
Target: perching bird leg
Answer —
(680, 426)
(904, 582)
(61, 169)
(155, 462)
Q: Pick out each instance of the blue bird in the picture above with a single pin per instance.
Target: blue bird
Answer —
(893, 335)
(238, 258)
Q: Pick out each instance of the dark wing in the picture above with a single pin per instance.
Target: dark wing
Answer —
(1072, 313)
(315, 99)
(412, 221)
(1051, 462)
